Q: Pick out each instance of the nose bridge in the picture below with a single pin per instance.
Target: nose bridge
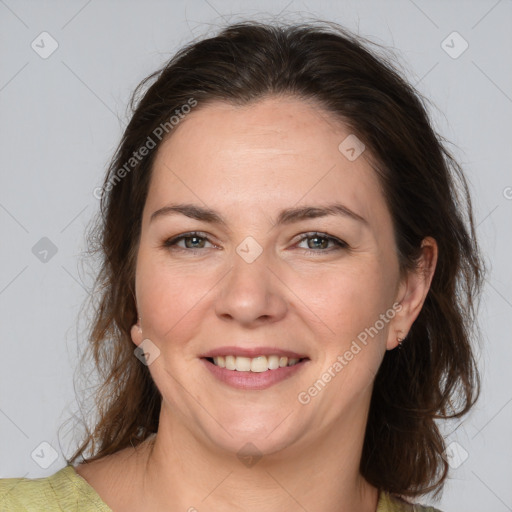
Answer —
(251, 292)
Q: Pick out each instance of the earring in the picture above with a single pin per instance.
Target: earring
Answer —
(400, 341)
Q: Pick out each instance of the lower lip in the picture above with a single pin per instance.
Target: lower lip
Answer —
(253, 380)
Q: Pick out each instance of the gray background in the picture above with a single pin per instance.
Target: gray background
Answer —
(62, 117)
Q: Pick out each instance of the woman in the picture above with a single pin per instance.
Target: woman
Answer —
(289, 248)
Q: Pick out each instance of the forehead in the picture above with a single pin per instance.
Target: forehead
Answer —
(274, 153)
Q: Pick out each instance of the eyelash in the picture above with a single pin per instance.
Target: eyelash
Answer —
(340, 244)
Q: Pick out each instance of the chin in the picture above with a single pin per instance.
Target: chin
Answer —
(255, 439)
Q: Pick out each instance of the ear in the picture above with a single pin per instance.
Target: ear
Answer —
(136, 332)
(412, 292)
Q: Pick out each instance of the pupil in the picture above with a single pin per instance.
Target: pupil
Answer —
(190, 239)
(320, 238)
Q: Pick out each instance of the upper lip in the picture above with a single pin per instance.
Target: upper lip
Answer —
(252, 352)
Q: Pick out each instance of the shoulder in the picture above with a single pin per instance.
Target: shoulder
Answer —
(391, 503)
(64, 490)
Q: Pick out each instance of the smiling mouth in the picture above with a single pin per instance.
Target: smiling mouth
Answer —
(253, 364)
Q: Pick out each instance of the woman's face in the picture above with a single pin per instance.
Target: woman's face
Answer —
(266, 275)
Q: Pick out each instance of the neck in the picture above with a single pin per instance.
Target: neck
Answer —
(320, 475)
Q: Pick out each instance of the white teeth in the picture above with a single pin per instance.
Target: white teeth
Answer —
(256, 364)
(219, 361)
(259, 364)
(243, 364)
(230, 362)
(273, 362)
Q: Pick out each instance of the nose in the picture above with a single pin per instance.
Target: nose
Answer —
(252, 293)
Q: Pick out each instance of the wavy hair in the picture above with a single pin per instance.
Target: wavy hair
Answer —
(434, 375)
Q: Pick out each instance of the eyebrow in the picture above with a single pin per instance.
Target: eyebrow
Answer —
(287, 216)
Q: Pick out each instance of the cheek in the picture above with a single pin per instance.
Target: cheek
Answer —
(357, 306)
(168, 298)
(360, 312)
(350, 299)
(350, 305)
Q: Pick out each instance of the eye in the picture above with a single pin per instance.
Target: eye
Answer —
(321, 242)
(193, 241)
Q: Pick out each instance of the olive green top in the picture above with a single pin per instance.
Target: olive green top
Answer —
(67, 491)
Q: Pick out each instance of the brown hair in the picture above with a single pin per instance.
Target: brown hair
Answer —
(434, 374)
